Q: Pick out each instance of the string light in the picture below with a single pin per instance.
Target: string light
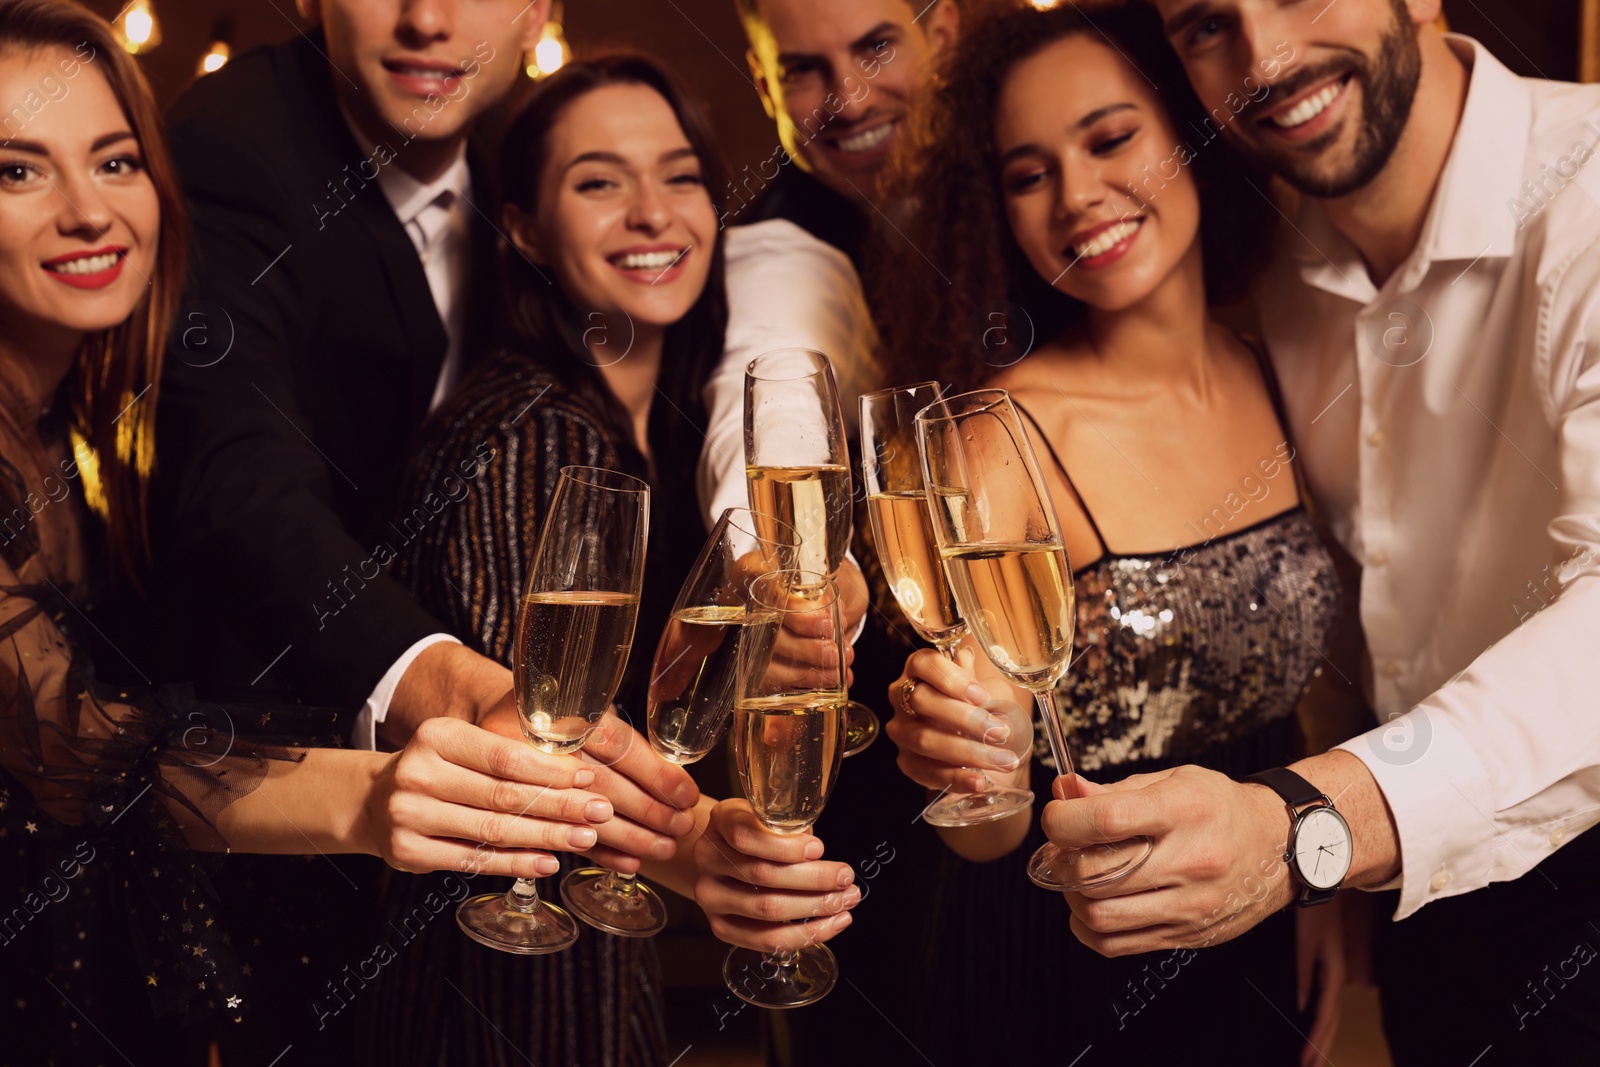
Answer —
(221, 49)
(552, 51)
(138, 28)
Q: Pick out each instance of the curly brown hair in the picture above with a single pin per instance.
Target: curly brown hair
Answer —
(949, 309)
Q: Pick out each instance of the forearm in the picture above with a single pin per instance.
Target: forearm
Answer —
(318, 803)
(1375, 855)
(445, 679)
(990, 841)
(678, 874)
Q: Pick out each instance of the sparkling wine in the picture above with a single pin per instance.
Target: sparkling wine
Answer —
(788, 749)
(815, 501)
(694, 682)
(904, 535)
(1017, 599)
(571, 648)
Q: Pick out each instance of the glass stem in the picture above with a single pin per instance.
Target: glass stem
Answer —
(523, 896)
(1046, 699)
(618, 882)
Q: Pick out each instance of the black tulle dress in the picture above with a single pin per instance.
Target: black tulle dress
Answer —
(1197, 656)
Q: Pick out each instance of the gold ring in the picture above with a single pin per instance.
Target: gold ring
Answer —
(907, 687)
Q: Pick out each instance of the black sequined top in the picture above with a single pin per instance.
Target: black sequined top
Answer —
(1180, 652)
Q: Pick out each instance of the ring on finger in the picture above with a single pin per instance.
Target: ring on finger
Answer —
(907, 687)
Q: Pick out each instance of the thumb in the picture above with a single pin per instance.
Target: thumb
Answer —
(1076, 786)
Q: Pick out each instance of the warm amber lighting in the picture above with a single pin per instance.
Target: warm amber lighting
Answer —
(138, 28)
(215, 58)
(551, 53)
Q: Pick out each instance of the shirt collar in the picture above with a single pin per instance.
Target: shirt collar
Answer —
(1468, 217)
(405, 194)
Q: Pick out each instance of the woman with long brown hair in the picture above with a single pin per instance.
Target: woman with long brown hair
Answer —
(1085, 215)
(109, 798)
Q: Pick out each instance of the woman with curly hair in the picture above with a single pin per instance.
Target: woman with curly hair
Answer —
(1082, 214)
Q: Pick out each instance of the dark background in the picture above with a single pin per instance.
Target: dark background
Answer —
(704, 44)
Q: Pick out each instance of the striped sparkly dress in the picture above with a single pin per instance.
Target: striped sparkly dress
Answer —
(472, 506)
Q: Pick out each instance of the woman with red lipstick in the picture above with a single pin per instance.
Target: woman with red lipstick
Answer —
(1084, 220)
(109, 797)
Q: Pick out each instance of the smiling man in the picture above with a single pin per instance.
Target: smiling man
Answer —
(837, 76)
(1434, 319)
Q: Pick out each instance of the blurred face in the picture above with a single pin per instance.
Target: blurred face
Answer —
(623, 220)
(839, 75)
(1342, 79)
(79, 218)
(1097, 194)
(425, 68)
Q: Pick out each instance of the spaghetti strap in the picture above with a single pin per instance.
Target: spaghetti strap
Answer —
(1269, 378)
(1105, 549)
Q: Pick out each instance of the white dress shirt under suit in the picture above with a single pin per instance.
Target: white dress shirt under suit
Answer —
(1449, 424)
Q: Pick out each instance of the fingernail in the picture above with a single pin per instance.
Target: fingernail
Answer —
(814, 850)
(664, 850)
(686, 795)
(997, 732)
(582, 837)
(852, 896)
(1007, 761)
(846, 876)
(845, 919)
(583, 779)
(547, 865)
(597, 810)
(977, 694)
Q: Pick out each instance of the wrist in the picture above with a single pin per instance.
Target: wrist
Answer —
(1375, 856)
(367, 830)
(445, 679)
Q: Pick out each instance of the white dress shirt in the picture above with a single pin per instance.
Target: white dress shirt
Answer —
(436, 217)
(1449, 424)
(786, 289)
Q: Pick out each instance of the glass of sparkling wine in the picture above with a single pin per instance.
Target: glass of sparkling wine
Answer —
(692, 692)
(902, 530)
(574, 633)
(788, 739)
(797, 465)
(997, 532)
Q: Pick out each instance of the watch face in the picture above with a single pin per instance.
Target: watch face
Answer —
(1322, 848)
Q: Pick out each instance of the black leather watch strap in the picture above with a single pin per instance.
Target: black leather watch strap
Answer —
(1296, 793)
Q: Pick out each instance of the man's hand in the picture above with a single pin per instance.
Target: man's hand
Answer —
(754, 885)
(854, 596)
(445, 679)
(1216, 869)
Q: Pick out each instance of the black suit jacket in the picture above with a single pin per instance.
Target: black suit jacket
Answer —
(303, 361)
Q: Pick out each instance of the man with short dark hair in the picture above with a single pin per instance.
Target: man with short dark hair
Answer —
(1434, 319)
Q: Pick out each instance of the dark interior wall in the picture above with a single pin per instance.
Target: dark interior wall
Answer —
(702, 41)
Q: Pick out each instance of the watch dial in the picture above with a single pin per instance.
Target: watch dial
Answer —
(1322, 848)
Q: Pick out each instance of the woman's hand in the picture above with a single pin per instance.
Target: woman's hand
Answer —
(455, 783)
(959, 730)
(654, 800)
(1319, 950)
(752, 883)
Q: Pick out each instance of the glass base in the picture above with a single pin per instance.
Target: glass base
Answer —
(605, 902)
(512, 922)
(974, 809)
(770, 982)
(1074, 869)
(860, 728)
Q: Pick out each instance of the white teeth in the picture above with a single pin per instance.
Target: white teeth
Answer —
(86, 265)
(1309, 108)
(429, 73)
(866, 142)
(650, 260)
(1107, 239)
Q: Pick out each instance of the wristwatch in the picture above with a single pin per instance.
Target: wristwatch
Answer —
(1319, 839)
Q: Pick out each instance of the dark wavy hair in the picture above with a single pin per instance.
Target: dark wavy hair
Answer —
(109, 395)
(543, 318)
(946, 175)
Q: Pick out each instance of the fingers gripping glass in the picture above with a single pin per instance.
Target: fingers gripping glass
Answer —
(1002, 549)
(574, 633)
(797, 465)
(692, 692)
(902, 531)
(788, 739)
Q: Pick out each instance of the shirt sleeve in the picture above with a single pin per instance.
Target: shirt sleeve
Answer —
(1507, 764)
(376, 709)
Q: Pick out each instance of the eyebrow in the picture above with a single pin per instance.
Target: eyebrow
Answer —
(1187, 17)
(616, 160)
(103, 141)
(882, 29)
(1082, 124)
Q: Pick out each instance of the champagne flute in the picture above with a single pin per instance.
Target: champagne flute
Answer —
(902, 529)
(788, 739)
(1007, 564)
(574, 632)
(692, 691)
(797, 465)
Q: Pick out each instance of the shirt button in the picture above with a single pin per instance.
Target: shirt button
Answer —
(1391, 669)
(1378, 558)
(1557, 836)
(1377, 438)
(1439, 880)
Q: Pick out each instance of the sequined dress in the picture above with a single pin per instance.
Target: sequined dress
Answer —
(1195, 655)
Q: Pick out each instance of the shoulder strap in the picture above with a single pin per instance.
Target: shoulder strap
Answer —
(1062, 467)
(1270, 379)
